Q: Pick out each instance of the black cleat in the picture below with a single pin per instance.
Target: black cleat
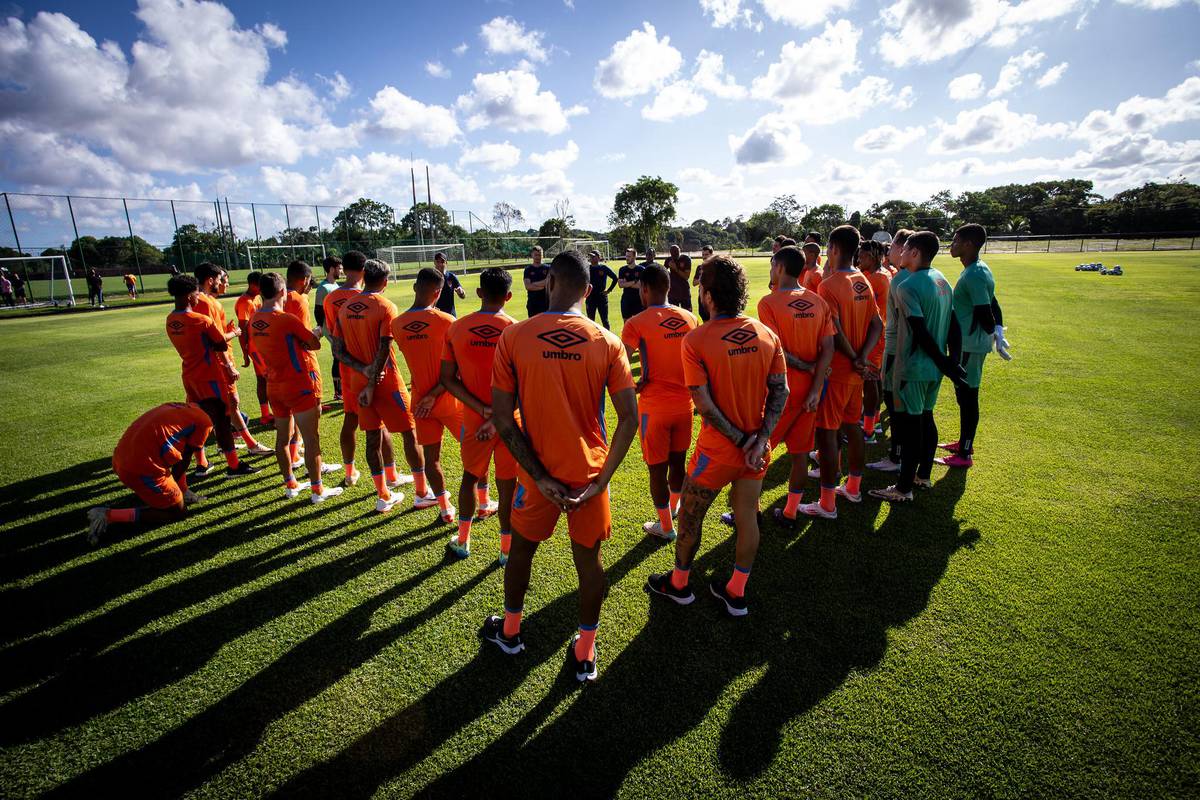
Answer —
(493, 631)
(200, 472)
(583, 670)
(242, 468)
(736, 606)
(661, 585)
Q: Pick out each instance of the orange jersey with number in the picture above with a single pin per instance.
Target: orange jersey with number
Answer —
(156, 440)
(297, 305)
(193, 336)
(471, 345)
(852, 303)
(277, 337)
(558, 366)
(732, 356)
(657, 333)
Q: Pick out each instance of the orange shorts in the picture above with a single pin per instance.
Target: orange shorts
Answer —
(534, 517)
(291, 398)
(260, 366)
(156, 491)
(662, 433)
(709, 474)
(390, 408)
(476, 454)
(199, 390)
(841, 404)
(446, 416)
(796, 427)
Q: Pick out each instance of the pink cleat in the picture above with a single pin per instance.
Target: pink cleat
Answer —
(955, 461)
(951, 447)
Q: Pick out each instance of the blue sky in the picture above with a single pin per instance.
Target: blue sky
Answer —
(843, 101)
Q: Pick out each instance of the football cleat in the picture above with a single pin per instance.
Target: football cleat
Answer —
(884, 464)
(384, 506)
(428, 500)
(485, 511)
(892, 495)
(292, 492)
(655, 529)
(734, 606)
(260, 449)
(241, 469)
(842, 491)
(493, 631)
(583, 670)
(816, 510)
(351, 479)
(326, 493)
(956, 461)
(661, 585)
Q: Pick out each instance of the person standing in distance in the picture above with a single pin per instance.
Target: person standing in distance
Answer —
(536, 275)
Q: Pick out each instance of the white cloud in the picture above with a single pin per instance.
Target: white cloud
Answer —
(272, 34)
(888, 139)
(1154, 5)
(774, 139)
(460, 48)
(637, 64)
(803, 13)
(966, 87)
(437, 69)
(372, 175)
(1144, 114)
(556, 159)
(494, 157)
(993, 128)
(710, 76)
(339, 87)
(675, 100)
(1052, 76)
(506, 36)
(402, 118)
(1014, 70)
(577, 110)
(729, 14)
(922, 31)
(612, 158)
(511, 101)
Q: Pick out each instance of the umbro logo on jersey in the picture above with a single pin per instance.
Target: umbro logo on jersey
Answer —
(800, 304)
(416, 326)
(357, 307)
(860, 287)
(485, 331)
(562, 339)
(672, 323)
(739, 336)
(260, 325)
(175, 325)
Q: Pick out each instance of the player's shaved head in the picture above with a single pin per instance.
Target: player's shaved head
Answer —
(656, 278)
(973, 233)
(790, 259)
(271, 285)
(570, 273)
(812, 247)
(725, 281)
(205, 270)
(253, 278)
(428, 285)
(925, 243)
(354, 261)
(375, 274)
(495, 284)
(845, 238)
(298, 270)
(180, 286)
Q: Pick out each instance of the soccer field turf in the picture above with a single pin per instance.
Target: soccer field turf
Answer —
(1029, 628)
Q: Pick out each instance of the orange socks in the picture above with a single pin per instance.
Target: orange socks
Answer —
(231, 459)
(444, 501)
(512, 622)
(675, 497)
(380, 486)
(585, 645)
(679, 575)
(247, 438)
(349, 469)
(793, 504)
(828, 497)
(121, 515)
(420, 486)
(294, 452)
(505, 541)
(265, 411)
(481, 494)
(869, 424)
(389, 472)
(854, 483)
(737, 584)
(664, 519)
(464, 530)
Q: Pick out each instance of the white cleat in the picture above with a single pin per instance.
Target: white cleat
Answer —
(816, 510)
(842, 491)
(449, 516)
(351, 479)
(654, 529)
(298, 464)
(815, 472)
(328, 492)
(402, 479)
(421, 501)
(884, 464)
(482, 512)
(291, 493)
(260, 449)
(384, 506)
(97, 524)
(328, 468)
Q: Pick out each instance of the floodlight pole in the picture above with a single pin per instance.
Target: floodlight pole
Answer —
(78, 243)
(137, 264)
(221, 230)
(288, 220)
(232, 236)
(17, 241)
(320, 238)
(254, 218)
(178, 243)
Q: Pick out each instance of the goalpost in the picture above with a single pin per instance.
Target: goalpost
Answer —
(53, 280)
(586, 246)
(411, 257)
(290, 252)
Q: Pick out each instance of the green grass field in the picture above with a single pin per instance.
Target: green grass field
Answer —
(1028, 629)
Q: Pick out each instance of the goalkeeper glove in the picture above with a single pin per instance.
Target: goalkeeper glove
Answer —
(1001, 343)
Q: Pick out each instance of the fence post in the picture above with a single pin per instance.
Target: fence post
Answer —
(1048, 244)
(1081, 241)
(221, 230)
(78, 244)
(137, 264)
(17, 241)
(1154, 244)
(257, 239)
(232, 235)
(288, 221)
(320, 236)
(178, 243)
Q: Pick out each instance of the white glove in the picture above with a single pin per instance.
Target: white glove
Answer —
(1001, 343)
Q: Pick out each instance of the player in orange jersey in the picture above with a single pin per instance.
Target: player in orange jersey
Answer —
(352, 265)
(420, 335)
(870, 256)
(466, 373)
(734, 367)
(247, 303)
(857, 324)
(556, 367)
(152, 459)
(363, 343)
(804, 325)
(207, 376)
(664, 403)
(810, 278)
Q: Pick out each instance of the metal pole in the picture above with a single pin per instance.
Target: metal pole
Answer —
(78, 244)
(416, 215)
(17, 241)
(232, 235)
(221, 230)
(288, 220)
(320, 236)
(254, 218)
(346, 227)
(178, 243)
(1154, 243)
(137, 264)
(429, 206)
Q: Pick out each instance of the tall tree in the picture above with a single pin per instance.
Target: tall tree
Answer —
(365, 214)
(646, 206)
(505, 215)
(823, 218)
(431, 218)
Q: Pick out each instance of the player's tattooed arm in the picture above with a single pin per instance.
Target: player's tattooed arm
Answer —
(713, 416)
(795, 362)
(777, 395)
(342, 355)
(693, 505)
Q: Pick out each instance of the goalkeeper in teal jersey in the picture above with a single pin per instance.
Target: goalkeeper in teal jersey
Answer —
(981, 326)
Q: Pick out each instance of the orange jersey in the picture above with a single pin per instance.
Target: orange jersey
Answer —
(732, 356)
(800, 319)
(811, 278)
(333, 305)
(361, 323)
(211, 307)
(156, 440)
(558, 365)
(420, 334)
(657, 333)
(881, 283)
(852, 302)
(193, 335)
(243, 310)
(276, 337)
(471, 345)
(297, 305)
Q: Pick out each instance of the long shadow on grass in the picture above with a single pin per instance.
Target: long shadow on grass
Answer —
(488, 679)
(95, 685)
(822, 605)
(222, 734)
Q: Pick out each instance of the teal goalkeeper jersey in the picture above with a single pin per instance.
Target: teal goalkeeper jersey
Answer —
(975, 287)
(889, 325)
(926, 294)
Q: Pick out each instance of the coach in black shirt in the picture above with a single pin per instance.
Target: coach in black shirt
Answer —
(629, 278)
(600, 276)
(450, 286)
(535, 283)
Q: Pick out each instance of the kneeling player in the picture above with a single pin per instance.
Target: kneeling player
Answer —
(152, 460)
(556, 366)
(293, 386)
(735, 369)
(664, 403)
(466, 373)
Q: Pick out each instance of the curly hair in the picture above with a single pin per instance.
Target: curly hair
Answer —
(725, 280)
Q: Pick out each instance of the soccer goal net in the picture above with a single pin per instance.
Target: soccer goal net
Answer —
(44, 280)
(586, 246)
(278, 256)
(406, 259)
